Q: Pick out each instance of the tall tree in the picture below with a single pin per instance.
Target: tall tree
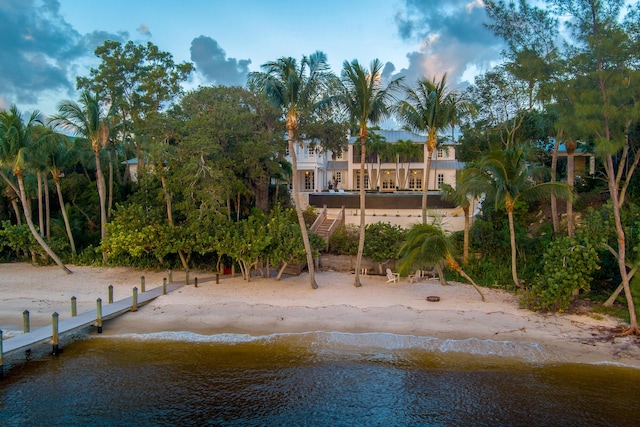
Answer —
(462, 198)
(508, 177)
(90, 120)
(366, 100)
(603, 93)
(17, 138)
(295, 87)
(140, 80)
(430, 107)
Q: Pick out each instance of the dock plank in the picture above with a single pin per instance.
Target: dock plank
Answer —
(25, 341)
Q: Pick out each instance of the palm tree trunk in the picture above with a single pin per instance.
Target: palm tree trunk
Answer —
(40, 204)
(465, 242)
(14, 204)
(454, 265)
(425, 189)
(110, 203)
(47, 206)
(65, 217)
(296, 197)
(512, 235)
(102, 197)
(32, 228)
(363, 153)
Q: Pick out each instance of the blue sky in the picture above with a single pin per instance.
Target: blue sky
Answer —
(47, 43)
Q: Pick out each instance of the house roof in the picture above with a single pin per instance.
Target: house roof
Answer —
(398, 135)
(447, 164)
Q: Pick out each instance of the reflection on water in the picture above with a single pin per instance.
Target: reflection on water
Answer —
(313, 379)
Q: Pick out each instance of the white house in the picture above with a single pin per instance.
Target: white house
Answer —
(318, 171)
(322, 175)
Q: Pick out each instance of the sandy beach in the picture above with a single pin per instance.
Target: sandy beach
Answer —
(264, 306)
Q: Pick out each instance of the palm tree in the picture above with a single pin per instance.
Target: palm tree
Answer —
(59, 152)
(16, 139)
(366, 101)
(430, 107)
(506, 175)
(294, 87)
(460, 198)
(427, 244)
(89, 120)
(406, 151)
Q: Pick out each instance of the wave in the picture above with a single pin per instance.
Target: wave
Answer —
(336, 341)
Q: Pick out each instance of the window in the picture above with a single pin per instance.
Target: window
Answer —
(309, 180)
(440, 179)
(337, 177)
(441, 153)
(415, 179)
(388, 182)
(287, 152)
(366, 180)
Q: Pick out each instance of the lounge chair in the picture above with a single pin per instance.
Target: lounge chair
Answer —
(416, 277)
(392, 277)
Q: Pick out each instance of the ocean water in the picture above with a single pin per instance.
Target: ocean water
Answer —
(313, 379)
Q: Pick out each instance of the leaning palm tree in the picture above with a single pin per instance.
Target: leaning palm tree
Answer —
(90, 120)
(427, 244)
(431, 107)
(506, 175)
(17, 137)
(294, 87)
(461, 198)
(363, 97)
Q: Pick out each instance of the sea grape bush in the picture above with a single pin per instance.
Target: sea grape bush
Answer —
(568, 266)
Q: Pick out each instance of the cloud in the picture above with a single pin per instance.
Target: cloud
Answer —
(39, 50)
(212, 62)
(451, 37)
(144, 30)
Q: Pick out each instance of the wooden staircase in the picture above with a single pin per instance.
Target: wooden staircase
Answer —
(324, 226)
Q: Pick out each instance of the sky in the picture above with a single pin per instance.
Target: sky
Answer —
(46, 44)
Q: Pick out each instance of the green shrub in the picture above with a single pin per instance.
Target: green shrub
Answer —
(568, 265)
(345, 240)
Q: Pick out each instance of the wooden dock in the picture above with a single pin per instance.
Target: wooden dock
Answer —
(24, 342)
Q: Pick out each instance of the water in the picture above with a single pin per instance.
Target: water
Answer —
(315, 379)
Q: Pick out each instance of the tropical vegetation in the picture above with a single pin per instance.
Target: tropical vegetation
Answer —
(213, 175)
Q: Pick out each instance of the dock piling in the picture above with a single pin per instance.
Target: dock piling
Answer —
(74, 307)
(110, 294)
(164, 286)
(99, 314)
(217, 278)
(142, 284)
(54, 334)
(26, 324)
(134, 301)
(195, 282)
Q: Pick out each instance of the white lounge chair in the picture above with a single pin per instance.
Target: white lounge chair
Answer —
(416, 277)
(392, 277)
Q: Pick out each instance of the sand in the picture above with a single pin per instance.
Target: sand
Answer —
(265, 306)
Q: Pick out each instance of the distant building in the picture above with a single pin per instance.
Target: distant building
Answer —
(322, 175)
(321, 171)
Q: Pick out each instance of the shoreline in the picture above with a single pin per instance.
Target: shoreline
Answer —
(266, 306)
